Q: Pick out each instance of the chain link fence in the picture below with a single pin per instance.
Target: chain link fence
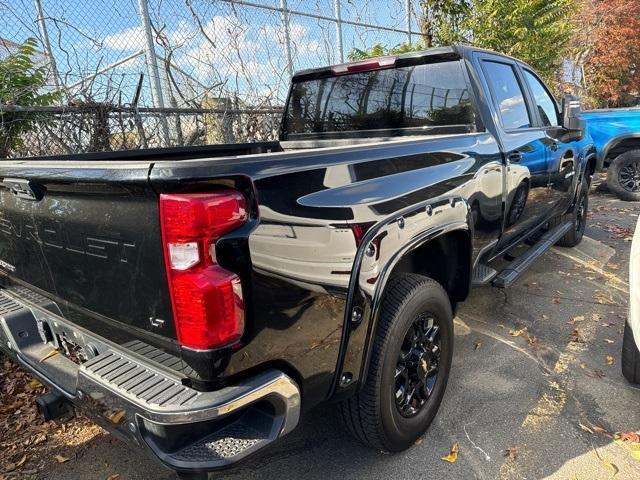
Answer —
(149, 73)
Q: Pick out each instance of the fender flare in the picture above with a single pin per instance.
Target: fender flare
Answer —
(583, 170)
(612, 143)
(355, 344)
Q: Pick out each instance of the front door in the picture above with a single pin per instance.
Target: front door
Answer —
(526, 199)
(562, 145)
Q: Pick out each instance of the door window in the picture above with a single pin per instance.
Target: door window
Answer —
(507, 95)
(544, 103)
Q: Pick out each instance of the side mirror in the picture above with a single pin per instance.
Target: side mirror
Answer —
(571, 112)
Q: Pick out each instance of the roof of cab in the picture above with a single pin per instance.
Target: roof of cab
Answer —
(453, 52)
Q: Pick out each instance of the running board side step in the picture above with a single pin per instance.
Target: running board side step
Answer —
(519, 265)
(483, 274)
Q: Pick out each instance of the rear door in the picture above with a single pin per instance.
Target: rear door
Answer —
(526, 200)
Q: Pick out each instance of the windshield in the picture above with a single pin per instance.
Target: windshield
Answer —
(415, 99)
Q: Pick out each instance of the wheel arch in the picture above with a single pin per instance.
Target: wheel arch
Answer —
(616, 146)
(399, 243)
(445, 258)
(456, 282)
(591, 163)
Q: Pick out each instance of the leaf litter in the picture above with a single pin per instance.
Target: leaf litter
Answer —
(28, 444)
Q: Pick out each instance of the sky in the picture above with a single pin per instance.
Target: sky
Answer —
(226, 47)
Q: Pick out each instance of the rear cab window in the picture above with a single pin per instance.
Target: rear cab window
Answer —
(416, 99)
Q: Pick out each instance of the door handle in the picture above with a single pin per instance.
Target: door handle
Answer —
(514, 157)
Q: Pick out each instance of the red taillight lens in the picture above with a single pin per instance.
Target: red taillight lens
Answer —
(207, 301)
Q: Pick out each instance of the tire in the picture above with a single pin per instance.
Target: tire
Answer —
(626, 166)
(373, 415)
(630, 356)
(577, 215)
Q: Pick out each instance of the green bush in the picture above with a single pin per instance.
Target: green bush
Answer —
(21, 83)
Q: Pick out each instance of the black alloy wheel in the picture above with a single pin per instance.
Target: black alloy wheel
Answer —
(417, 367)
(629, 176)
(623, 176)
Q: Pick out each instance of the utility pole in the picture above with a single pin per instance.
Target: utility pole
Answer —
(152, 69)
(409, 20)
(42, 25)
(287, 35)
(338, 15)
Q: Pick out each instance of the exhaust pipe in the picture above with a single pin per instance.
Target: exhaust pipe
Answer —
(54, 406)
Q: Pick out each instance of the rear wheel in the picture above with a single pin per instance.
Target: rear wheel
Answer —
(623, 176)
(630, 356)
(409, 368)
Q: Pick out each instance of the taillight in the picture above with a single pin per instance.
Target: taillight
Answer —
(207, 303)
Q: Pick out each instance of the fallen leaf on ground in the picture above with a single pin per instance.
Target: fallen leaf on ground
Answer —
(453, 454)
(115, 476)
(511, 453)
(517, 333)
(417, 442)
(12, 466)
(34, 383)
(631, 437)
(610, 360)
(61, 458)
(49, 355)
(575, 337)
(608, 340)
(603, 298)
(477, 345)
(573, 321)
(598, 429)
(585, 428)
(532, 339)
(630, 441)
(117, 417)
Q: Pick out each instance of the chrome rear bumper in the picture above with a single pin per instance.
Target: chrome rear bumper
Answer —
(186, 429)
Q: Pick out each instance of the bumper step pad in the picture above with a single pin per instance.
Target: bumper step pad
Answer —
(228, 443)
(132, 379)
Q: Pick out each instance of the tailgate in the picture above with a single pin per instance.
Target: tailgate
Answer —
(87, 236)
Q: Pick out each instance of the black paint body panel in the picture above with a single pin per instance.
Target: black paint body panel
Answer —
(303, 265)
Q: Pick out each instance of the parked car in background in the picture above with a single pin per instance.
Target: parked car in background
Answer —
(631, 340)
(616, 135)
(204, 298)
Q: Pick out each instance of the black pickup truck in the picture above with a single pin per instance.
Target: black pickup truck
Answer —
(201, 299)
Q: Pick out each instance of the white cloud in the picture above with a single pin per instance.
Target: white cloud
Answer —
(249, 58)
(126, 40)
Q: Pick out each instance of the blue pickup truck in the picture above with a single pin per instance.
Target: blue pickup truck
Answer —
(616, 135)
